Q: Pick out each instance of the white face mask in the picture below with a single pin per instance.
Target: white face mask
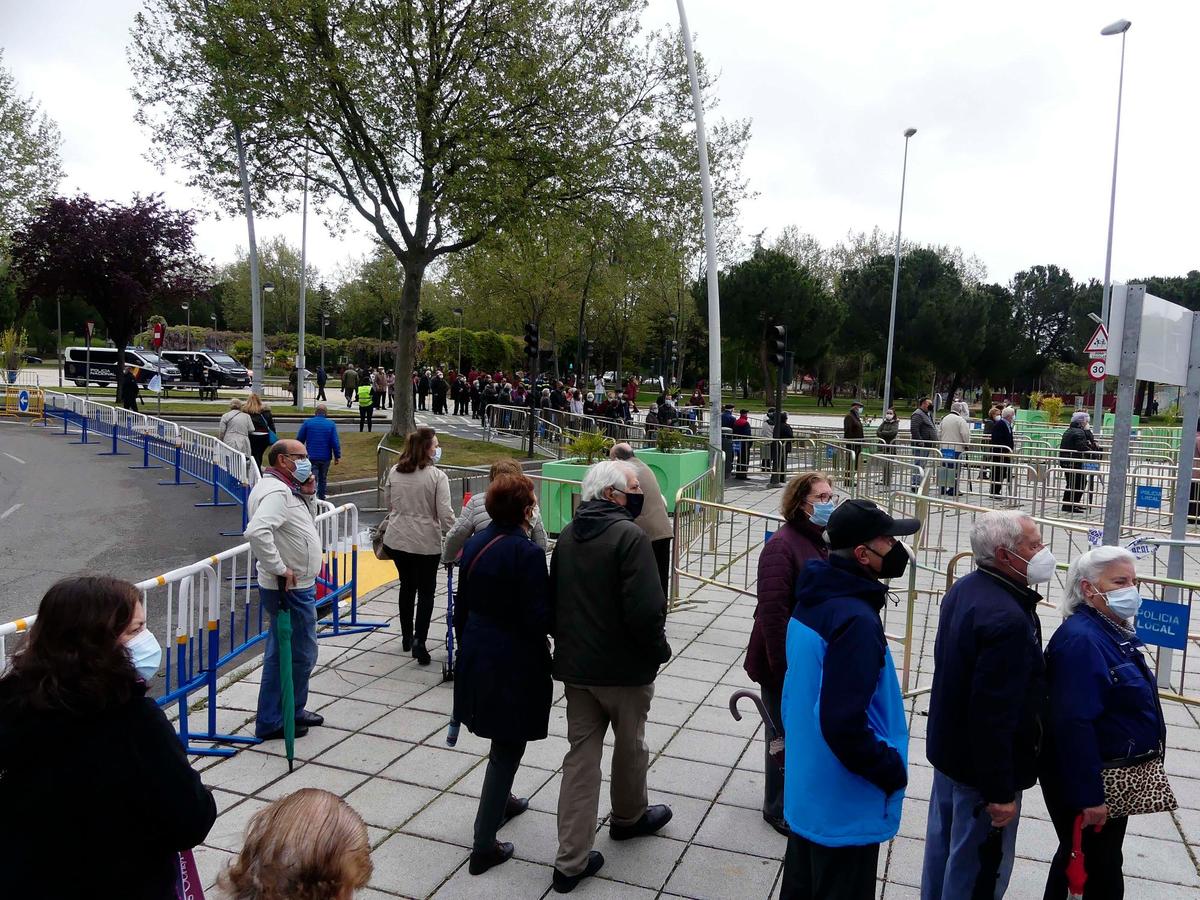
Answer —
(1125, 602)
(145, 653)
(1041, 568)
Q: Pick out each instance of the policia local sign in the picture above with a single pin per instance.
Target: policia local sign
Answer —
(1164, 624)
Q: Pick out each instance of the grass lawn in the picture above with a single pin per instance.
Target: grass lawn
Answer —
(358, 452)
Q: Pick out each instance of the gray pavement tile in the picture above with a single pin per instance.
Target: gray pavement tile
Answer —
(414, 866)
(695, 669)
(744, 789)
(437, 699)
(389, 692)
(719, 635)
(226, 799)
(372, 662)
(241, 695)
(546, 754)
(312, 745)
(1036, 838)
(365, 753)
(411, 725)
(353, 715)
(1136, 888)
(721, 721)
(657, 735)
(431, 767)
(336, 781)
(905, 859)
(692, 779)
(1158, 825)
(704, 746)
(667, 710)
(1183, 762)
(387, 804)
(601, 888)
(229, 831)
(339, 682)
(544, 798)
(721, 875)
(247, 772)
(712, 653)
(528, 781)
(515, 879)
(534, 835)
(1187, 791)
(673, 688)
(449, 818)
(1159, 860)
(210, 863)
(646, 862)
(742, 830)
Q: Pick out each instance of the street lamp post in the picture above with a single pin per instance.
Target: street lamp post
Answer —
(887, 374)
(1118, 27)
(674, 320)
(58, 306)
(383, 323)
(267, 288)
(324, 322)
(458, 311)
(187, 308)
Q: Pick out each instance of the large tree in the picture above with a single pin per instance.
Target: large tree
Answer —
(120, 260)
(279, 263)
(30, 168)
(439, 122)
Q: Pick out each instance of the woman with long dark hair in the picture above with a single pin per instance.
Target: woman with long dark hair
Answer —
(97, 795)
(417, 496)
(264, 426)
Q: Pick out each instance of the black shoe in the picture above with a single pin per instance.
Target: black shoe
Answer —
(501, 851)
(420, 654)
(405, 644)
(779, 825)
(513, 808)
(564, 884)
(277, 734)
(309, 719)
(654, 818)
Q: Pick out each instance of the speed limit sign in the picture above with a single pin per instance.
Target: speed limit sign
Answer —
(1096, 370)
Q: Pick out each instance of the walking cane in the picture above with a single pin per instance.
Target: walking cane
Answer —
(774, 738)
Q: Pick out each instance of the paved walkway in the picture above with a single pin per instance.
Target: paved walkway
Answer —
(383, 749)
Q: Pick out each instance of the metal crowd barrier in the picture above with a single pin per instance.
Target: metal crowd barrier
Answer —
(21, 399)
(214, 620)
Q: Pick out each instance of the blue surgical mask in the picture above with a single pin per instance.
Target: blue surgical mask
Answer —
(437, 454)
(1124, 602)
(145, 654)
(303, 470)
(821, 513)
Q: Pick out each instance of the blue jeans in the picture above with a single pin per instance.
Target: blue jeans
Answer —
(321, 468)
(303, 603)
(958, 825)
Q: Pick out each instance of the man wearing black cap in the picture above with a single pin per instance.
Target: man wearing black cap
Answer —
(846, 767)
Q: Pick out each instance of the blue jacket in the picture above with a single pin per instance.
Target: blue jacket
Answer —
(989, 686)
(1103, 706)
(846, 745)
(319, 435)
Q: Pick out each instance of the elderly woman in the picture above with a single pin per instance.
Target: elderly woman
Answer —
(474, 516)
(235, 428)
(808, 501)
(1103, 713)
(1076, 447)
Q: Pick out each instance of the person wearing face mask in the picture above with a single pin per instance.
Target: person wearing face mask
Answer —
(653, 518)
(1104, 714)
(987, 707)
(887, 431)
(98, 796)
(846, 750)
(1003, 446)
(923, 435)
(283, 536)
(417, 497)
(808, 502)
(608, 615)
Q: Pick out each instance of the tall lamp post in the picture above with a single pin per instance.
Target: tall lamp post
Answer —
(670, 358)
(187, 308)
(267, 288)
(383, 323)
(458, 311)
(887, 374)
(324, 322)
(1118, 27)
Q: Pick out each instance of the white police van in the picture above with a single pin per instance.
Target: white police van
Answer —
(218, 366)
(99, 366)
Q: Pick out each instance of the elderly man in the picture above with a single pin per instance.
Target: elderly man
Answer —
(923, 435)
(654, 519)
(956, 440)
(320, 435)
(1077, 446)
(986, 710)
(1004, 445)
(284, 539)
(608, 617)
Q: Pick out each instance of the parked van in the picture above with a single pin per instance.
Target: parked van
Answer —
(209, 367)
(101, 367)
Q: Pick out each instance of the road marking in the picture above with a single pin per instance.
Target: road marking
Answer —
(8, 512)
(15, 458)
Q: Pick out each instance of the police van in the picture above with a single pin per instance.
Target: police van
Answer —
(99, 366)
(209, 367)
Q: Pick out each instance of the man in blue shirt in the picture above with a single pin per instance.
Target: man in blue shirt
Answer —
(320, 437)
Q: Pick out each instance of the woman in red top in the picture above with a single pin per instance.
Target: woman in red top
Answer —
(807, 502)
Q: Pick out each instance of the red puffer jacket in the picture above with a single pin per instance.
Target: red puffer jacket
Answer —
(779, 564)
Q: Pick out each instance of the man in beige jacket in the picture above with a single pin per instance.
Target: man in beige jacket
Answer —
(654, 519)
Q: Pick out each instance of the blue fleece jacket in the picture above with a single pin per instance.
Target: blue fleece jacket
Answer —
(319, 434)
(846, 746)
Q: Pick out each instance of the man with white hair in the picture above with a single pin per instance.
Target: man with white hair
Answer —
(1004, 445)
(1077, 446)
(987, 707)
(608, 618)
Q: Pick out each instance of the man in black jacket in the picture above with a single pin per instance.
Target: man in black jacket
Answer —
(985, 712)
(608, 618)
(1077, 447)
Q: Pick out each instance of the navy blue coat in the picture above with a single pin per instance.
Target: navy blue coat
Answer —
(502, 684)
(1104, 706)
(989, 686)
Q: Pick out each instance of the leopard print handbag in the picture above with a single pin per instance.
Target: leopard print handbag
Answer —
(1137, 787)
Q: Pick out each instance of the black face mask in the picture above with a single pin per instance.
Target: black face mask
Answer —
(633, 502)
(893, 563)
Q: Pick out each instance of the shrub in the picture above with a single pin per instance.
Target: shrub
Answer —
(590, 445)
(1052, 407)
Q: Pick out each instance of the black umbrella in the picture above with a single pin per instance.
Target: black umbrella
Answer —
(774, 738)
(991, 854)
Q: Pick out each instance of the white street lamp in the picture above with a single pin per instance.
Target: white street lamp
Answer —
(187, 308)
(458, 311)
(1118, 27)
(887, 375)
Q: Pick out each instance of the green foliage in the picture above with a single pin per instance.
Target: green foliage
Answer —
(1052, 407)
(667, 440)
(12, 346)
(30, 167)
(590, 446)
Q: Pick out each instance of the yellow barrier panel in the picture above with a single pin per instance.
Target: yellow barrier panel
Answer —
(22, 400)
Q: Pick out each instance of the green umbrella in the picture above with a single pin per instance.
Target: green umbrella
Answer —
(287, 690)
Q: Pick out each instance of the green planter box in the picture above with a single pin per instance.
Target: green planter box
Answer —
(674, 470)
(558, 501)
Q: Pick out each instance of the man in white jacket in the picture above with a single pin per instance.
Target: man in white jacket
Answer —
(283, 537)
(956, 437)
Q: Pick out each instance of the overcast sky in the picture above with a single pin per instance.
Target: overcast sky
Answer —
(1015, 107)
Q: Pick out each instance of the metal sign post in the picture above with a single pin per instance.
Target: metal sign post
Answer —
(1114, 505)
(159, 334)
(88, 328)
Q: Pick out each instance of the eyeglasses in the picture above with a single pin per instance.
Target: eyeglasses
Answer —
(296, 455)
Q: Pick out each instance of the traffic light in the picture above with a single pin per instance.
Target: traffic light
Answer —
(531, 340)
(673, 348)
(776, 344)
(589, 349)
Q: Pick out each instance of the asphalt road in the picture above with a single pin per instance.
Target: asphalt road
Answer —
(64, 510)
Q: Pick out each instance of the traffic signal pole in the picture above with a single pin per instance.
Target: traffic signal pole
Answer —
(776, 349)
(535, 399)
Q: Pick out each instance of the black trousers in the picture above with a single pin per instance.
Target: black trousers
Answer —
(662, 556)
(815, 872)
(772, 773)
(504, 758)
(321, 392)
(418, 579)
(1076, 483)
(1101, 853)
(365, 414)
(422, 395)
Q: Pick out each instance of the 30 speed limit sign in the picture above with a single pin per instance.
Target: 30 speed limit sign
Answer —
(1096, 370)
